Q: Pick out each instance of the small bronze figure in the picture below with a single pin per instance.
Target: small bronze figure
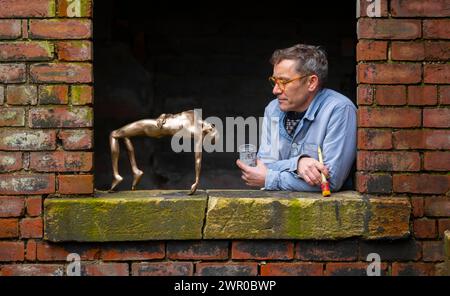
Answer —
(183, 124)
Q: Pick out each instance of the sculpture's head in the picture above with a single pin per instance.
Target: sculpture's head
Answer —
(210, 130)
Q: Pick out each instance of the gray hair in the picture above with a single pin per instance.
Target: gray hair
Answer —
(310, 60)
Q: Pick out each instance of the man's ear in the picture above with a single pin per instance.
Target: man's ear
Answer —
(313, 83)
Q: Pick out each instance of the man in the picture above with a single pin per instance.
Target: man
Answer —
(304, 116)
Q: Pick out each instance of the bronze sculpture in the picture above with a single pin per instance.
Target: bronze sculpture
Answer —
(184, 124)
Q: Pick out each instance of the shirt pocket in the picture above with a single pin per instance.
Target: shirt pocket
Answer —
(310, 149)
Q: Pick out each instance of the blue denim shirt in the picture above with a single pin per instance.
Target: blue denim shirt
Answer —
(330, 122)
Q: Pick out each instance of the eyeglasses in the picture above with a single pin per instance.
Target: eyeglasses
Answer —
(282, 82)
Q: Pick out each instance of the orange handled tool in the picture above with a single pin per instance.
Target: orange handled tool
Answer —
(325, 185)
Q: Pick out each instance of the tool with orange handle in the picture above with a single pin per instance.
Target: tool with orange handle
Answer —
(325, 185)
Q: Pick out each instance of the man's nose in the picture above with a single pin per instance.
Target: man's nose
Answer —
(276, 90)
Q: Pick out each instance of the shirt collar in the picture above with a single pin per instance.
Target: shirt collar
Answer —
(315, 104)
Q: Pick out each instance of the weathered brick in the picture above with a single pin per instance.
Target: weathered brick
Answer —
(388, 161)
(227, 269)
(436, 29)
(104, 269)
(34, 206)
(425, 228)
(31, 228)
(26, 8)
(437, 161)
(197, 250)
(61, 161)
(437, 207)
(61, 29)
(344, 250)
(25, 29)
(76, 139)
(422, 95)
(76, 184)
(365, 94)
(27, 184)
(10, 161)
(369, 28)
(437, 73)
(26, 51)
(373, 183)
(422, 183)
(437, 50)
(395, 250)
(389, 218)
(74, 50)
(390, 95)
(67, 9)
(12, 117)
(2, 95)
(162, 269)
(433, 251)
(53, 94)
(19, 139)
(417, 8)
(443, 225)
(374, 139)
(11, 206)
(61, 117)
(389, 117)
(11, 251)
(12, 73)
(369, 50)
(10, 29)
(61, 72)
(262, 250)
(81, 94)
(417, 205)
(413, 269)
(438, 117)
(32, 270)
(444, 94)
(30, 254)
(421, 139)
(389, 73)
(351, 269)
(9, 228)
(408, 51)
(292, 269)
(57, 252)
(21, 95)
(133, 251)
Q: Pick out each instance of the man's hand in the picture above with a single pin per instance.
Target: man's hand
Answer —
(309, 169)
(253, 176)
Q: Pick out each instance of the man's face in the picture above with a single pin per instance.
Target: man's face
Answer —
(296, 95)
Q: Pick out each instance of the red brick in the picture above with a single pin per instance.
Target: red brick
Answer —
(32, 270)
(417, 205)
(437, 161)
(439, 117)
(227, 269)
(27, 140)
(53, 94)
(436, 29)
(61, 73)
(389, 117)
(31, 250)
(104, 269)
(27, 184)
(9, 228)
(61, 117)
(374, 139)
(369, 28)
(413, 269)
(26, 8)
(133, 251)
(11, 251)
(437, 206)
(344, 250)
(11, 206)
(34, 206)
(368, 50)
(31, 228)
(412, 8)
(444, 94)
(25, 29)
(197, 250)
(76, 184)
(162, 269)
(388, 161)
(74, 50)
(12, 73)
(2, 95)
(437, 50)
(292, 269)
(423, 183)
(85, 8)
(421, 139)
(389, 73)
(390, 95)
(61, 161)
(262, 250)
(81, 94)
(437, 73)
(22, 95)
(364, 7)
(373, 183)
(58, 252)
(433, 251)
(365, 95)
(408, 51)
(422, 95)
(76, 139)
(10, 29)
(443, 225)
(10, 161)
(26, 51)
(12, 117)
(61, 29)
(351, 269)
(425, 228)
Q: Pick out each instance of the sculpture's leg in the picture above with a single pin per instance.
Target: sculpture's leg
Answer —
(115, 149)
(137, 173)
(198, 164)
